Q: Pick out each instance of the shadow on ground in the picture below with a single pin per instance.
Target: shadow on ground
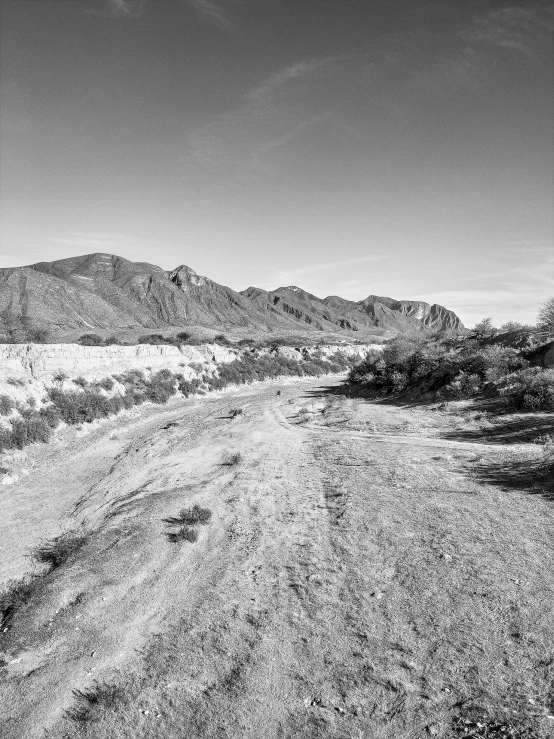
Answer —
(533, 477)
(490, 423)
(528, 428)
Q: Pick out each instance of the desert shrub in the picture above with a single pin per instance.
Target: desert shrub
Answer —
(99, 697)
(51, 415)
(29, 430)
(222, 340)
(530, 389)
(80, 382)
(14, 596)
(232, 459)
(246, 342)
(191, 516)
(15, 381)
(60, 377)
(106, 383)
(77, 407)
(153, 339)
(161, 387)
(111, 340)
(185, 533)
(234, 412)
(6, 405)
(185, 387)
(156, 390)
(90, 340)
(453, 369)
(37, 335)
(58, 551)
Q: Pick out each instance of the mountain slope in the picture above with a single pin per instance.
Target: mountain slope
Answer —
(106, 293)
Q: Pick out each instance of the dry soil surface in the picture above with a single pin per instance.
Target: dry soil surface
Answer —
(359, 577)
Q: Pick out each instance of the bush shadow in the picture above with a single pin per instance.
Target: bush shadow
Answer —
(533, 477)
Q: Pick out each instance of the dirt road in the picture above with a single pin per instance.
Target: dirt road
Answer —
(357, 579)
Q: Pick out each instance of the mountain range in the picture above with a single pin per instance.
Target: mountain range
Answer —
(105, 293)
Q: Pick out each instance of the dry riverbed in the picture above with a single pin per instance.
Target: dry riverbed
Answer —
(361, 576)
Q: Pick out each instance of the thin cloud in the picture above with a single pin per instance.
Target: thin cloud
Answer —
(289, 73)
(518, 28)
(92, 240)
(119, 8)
(214, 11)
(289, 276)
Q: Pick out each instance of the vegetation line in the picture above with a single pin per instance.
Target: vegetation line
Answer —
(86, 402)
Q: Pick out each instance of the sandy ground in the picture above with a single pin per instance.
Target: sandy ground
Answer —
(359, 577)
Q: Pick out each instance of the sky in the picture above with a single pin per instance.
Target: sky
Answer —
(394, 147)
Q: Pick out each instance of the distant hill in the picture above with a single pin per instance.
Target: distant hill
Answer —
(105, 293)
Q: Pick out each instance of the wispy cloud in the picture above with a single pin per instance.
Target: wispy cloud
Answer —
(288, 74)
(290, 276)
(514, 27)
(93, 240)
(214, 11)
(118, 8)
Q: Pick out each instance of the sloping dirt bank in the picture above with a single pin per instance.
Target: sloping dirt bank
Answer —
(356, 579)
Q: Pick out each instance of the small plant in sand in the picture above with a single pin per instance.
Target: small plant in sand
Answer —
(232, 459)
(185, 533)
(190, 516)
(56, 552)
(234, 412)
(14, 597)
(98, 696)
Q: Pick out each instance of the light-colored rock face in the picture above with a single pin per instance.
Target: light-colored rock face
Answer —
(43, 361)
(28, 370)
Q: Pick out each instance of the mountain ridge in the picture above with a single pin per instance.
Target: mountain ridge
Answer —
(104, 292)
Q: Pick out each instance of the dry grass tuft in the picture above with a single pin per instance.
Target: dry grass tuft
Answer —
(185, 533)
(190, 516)
(232, 459)
(56, 552)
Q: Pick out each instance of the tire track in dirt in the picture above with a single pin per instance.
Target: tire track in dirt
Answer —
(344, 588)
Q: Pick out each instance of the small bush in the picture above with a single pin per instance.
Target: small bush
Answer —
(530, 389)
(232, 459)
(15, 595)
(60, 377)
(234, 412)
(99, 696)
(15, 381)
(191, 516)
(154, 339)
(90, 340)
(6, 405)
(28, 431)
(57, 552)
(80, 382)
(105, 384)
(51, 415)
(111, 340)
(183, 337)
(185, 533)
(37, 335)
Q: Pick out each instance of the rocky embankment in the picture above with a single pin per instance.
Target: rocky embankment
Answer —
(27, 370)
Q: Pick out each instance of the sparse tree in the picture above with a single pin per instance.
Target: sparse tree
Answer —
(511, 326)
(545, 317)
(485, 327)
